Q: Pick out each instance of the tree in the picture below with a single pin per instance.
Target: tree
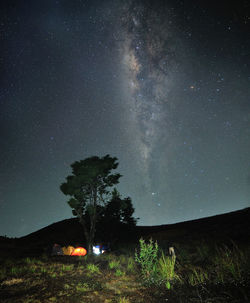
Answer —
(89, 187)
(116, 220)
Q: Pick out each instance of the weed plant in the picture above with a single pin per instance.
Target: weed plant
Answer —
(93, 269)
(165, 269)
(229, 264)
(67, 267)
(131, 265)
(114, 264)
(197, 276)
(119, 273)
(147, 259)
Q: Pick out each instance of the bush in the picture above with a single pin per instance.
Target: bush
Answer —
(147, 259)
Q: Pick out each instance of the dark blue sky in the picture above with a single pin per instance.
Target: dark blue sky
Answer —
(162, 85)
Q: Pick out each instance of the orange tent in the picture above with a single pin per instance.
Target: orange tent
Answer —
(68, 250)
(79, 251)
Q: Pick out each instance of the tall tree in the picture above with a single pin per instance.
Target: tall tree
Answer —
(89, 186)
(116, 222)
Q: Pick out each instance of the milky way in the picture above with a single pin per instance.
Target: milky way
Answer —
(172, 93)
(151, 58)
(163, 85)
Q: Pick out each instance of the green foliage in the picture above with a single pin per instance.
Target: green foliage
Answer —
(92, 268)
(123, 259)
(223, 278)
(29, 261)
(44, 270)
(83, 287)
(168, 285)
(131, 264)
(32, 269)
(67, 267)
(165, 268)
(90, 177)
(66, 286)
(147, 259)
(119, 273)
(229, 264)
(114, 264)
(17, 271)
(197, 275)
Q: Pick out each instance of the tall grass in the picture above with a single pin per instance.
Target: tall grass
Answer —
(197, 276)
(230, 264)
(165, 267)
(130, 264)
(223, 265)
(114, 264)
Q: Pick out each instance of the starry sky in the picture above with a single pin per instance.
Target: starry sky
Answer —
(164, 86)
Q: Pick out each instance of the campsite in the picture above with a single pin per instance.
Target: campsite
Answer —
(211, 264)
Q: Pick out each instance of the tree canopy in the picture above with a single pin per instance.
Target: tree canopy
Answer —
(89, 187)
(116, 221)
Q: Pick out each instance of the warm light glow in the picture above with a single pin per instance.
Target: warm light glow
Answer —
(79, 251)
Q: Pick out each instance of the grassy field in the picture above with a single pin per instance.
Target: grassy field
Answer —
(199, 273)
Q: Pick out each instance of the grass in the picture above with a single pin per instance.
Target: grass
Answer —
(114, 264)
(123, 300)
(203, 274)
(131, 264)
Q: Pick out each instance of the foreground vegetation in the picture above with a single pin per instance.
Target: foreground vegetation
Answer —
(204, 273)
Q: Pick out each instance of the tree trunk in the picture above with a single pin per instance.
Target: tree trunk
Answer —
(93, 222)
(86, 234)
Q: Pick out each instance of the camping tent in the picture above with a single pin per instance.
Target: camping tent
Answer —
(79, 251)
(68, 250)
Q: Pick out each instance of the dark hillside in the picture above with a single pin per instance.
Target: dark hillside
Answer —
(218, 229)
(62, 232)
(231, 226)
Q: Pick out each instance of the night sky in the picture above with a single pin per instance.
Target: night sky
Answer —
(164, 86)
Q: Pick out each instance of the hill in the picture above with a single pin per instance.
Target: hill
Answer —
(219, 229)
(233, 226)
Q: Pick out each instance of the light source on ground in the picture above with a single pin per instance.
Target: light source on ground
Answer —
(97, 250)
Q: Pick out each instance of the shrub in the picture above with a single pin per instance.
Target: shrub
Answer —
(147, 259)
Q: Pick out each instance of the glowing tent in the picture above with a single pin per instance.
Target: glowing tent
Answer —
(68, 250)
(79, 251)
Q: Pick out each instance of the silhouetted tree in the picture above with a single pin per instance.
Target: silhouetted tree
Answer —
(116, 219)
(88, 187)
